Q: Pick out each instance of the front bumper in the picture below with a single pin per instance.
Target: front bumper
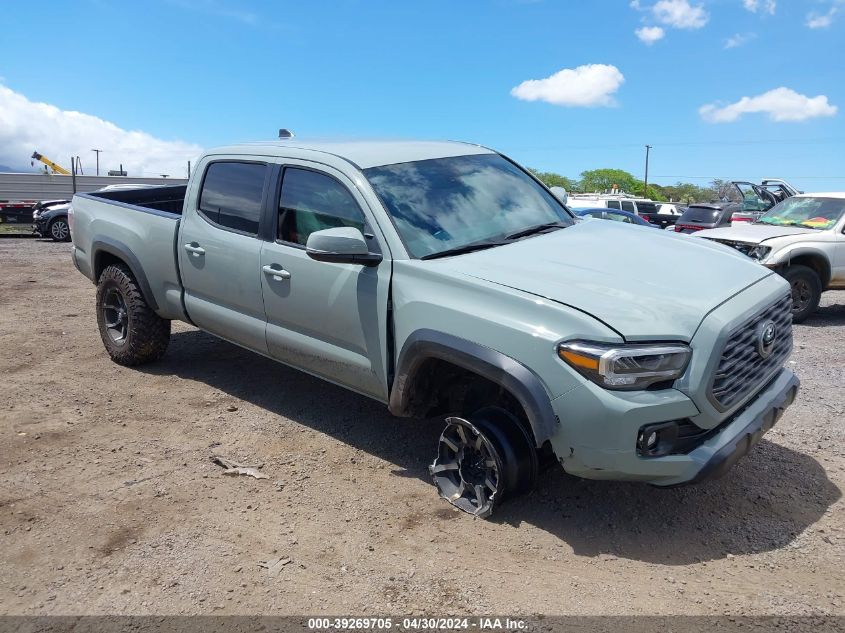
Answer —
(604, 457)
(40, 226)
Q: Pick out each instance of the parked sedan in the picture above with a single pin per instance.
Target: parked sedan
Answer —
(50, 219)
(613, 214)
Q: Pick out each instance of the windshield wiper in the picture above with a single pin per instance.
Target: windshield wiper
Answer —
(536, 229)
(466, 248)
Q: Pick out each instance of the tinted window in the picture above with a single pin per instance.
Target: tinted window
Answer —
(613, 204)
(310, 202)
(628, 206)
(646, 207)
(231, 195)
(703, 215)
(447, 203)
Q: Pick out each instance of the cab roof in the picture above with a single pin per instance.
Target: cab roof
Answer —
(362, 153)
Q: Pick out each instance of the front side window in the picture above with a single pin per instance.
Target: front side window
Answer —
(444, 204)
(613, 204)
(231, 195)
(311, 201)
(627, 206)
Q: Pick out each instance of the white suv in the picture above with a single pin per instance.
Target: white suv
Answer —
(803, 239)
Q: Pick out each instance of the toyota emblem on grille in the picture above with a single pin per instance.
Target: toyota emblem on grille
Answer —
(766, 335)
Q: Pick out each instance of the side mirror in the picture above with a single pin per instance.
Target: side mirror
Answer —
(341, 245)
(560, 194)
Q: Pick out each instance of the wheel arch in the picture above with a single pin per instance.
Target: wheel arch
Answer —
(813, 259)
(423, 346)
(106, 251)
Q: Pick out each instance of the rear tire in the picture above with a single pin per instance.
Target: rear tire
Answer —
(132, 332)
(806, 288)
(59, 230)
(484, 460)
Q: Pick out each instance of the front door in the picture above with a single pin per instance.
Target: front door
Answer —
(219, 252)
(328, 319)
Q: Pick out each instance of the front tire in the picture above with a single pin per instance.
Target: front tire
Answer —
(484, 460)
(806, 288)
(132, 332)
(59, 230)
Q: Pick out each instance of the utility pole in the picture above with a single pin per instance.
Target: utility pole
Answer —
(645, 187)
(97, 152)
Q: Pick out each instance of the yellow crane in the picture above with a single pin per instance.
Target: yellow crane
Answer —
(57, 169)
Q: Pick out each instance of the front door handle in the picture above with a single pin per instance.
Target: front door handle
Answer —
(195, 249)
(278, 273)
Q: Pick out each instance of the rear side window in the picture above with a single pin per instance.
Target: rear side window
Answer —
(310, 202)
(646, 207)
(231, 195)
(613, 204)
(628, 206)
(619, 218)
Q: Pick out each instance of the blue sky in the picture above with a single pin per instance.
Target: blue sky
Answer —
(209, 72)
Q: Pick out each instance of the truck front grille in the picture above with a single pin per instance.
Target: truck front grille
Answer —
(742, 368)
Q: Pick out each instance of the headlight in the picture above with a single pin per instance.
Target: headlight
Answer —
(626, 366)
(759, 252)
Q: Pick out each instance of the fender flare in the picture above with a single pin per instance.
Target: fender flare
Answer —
(787, 257)
(519, 380)
(120, 250)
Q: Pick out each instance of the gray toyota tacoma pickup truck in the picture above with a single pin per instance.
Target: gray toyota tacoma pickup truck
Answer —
(442, 278)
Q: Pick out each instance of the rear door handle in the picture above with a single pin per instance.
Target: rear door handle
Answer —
(196, 250)
(278, 273)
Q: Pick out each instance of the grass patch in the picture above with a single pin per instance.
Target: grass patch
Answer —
(9, 228)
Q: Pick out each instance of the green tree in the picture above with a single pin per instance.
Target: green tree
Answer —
(605, 179)
(552, 179)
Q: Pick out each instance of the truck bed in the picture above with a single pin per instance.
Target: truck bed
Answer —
(138, 227)
(168, 199)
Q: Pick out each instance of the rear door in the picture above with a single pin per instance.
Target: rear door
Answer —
(326, 318)
(220, 251)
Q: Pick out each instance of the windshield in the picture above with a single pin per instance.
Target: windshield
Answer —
(809, 212)
(447, 203)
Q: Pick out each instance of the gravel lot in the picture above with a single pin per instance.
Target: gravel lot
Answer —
(109, 502)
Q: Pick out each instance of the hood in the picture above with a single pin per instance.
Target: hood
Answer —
(646, 285)
(753, 233)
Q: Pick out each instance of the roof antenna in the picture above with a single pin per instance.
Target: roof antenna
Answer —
(285, 133)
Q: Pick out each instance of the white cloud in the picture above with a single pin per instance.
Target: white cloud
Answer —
(680, 14)
(26, 126)
(585, 86)
(822, 20)
(739, 39)
(767, 6)
(650, 34)
(781, 104)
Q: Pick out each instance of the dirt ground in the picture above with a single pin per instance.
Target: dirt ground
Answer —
(109, 502)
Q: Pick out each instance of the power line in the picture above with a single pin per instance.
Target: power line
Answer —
(731, 177)
(820, 141)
